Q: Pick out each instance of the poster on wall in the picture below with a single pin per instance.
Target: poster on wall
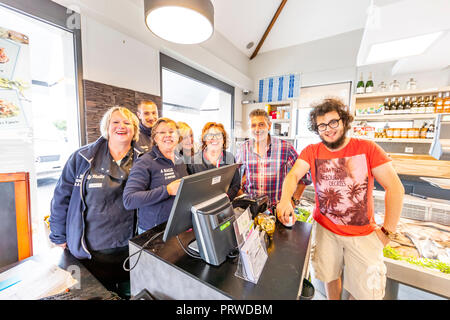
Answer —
(279, 88)
(15, 90)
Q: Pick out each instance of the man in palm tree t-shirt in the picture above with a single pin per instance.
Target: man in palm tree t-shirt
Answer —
(344, 232)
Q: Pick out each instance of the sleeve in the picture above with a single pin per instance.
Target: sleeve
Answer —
(137, 193)
(377, 156)
(305, 155)
(235, 184)
(240, 156)
(60, 202)
(292, 157)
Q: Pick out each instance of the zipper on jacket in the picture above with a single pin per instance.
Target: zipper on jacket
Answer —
(84, 206)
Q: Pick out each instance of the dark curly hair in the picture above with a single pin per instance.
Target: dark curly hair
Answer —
(328, 105)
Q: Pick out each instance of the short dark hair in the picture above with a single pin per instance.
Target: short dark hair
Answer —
(329, 105)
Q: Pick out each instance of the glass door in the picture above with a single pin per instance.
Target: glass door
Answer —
(44, 88)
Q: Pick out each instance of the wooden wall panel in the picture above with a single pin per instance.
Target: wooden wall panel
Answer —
(100, 97)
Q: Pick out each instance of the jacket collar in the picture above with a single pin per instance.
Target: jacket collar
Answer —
(88, 152)
(145, 130)
(157, 154)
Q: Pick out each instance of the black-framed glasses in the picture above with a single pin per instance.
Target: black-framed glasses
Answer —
(333, 124)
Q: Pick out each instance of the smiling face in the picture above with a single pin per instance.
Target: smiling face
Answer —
(214, 139)
(148, 114)
(120, 129)
(259, 128)
(331, 137)
(188, 141)
(166, 136)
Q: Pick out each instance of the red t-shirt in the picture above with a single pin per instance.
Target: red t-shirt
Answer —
(343, 184)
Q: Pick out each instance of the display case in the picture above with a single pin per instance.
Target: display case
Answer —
(405, 134)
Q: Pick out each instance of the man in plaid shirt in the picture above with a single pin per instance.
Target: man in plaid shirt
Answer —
(266, 160)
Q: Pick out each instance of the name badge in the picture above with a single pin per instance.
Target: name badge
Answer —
(95, 185)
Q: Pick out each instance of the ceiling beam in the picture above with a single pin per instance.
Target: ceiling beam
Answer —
(266, 33)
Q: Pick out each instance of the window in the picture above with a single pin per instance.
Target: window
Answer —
(195, 98)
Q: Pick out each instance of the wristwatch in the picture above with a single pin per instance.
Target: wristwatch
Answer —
(390, 235)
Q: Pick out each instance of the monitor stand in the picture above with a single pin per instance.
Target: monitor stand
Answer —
(193, 246)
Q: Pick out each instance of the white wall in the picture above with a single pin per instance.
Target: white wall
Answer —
(116, 59)
(323, 61)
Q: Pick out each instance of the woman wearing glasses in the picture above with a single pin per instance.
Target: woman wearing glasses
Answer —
(154, 179)
(213, 154)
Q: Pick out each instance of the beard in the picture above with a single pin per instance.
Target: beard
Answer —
(335, 144)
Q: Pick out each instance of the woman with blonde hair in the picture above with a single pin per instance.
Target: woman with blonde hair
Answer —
(155, 177)
(213, 154)
(186, 148)
(87, 213)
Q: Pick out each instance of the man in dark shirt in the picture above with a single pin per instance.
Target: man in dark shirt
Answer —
(147, 113)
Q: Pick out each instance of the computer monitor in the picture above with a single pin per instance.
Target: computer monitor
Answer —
(195, 189)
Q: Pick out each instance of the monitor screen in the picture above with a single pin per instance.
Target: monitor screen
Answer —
(193, 190)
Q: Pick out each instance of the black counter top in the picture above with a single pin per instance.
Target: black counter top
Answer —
(281, 276)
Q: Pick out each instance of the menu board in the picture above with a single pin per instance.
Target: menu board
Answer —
(15, 104)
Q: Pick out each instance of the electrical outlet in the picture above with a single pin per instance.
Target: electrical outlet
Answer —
(409, 149)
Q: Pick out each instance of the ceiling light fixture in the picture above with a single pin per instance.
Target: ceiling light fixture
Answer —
(180, 21)
(393, 50)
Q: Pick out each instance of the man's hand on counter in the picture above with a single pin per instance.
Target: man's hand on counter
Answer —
(285, 211)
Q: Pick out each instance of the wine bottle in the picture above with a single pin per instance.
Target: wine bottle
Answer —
(360, 85)
(369, 84)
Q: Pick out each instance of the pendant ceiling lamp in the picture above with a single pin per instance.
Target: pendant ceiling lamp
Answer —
(180, 21)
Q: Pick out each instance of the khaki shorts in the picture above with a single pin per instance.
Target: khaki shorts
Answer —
(361, 258)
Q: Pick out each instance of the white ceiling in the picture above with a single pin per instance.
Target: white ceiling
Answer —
(300, 21)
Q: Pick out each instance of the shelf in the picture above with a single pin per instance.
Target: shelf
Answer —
(400, 93)
(401, 140)
(399, 117)
(396, 140)
(280, 120)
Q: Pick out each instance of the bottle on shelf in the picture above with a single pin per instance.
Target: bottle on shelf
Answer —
(387, 106)
(360, 85)
(394, 105)
(430, 132)
(423, 131)
(401, 105)
(421, 103)
(414, 105)
(369, 84)
(447, 102)
(407, 107)
(429, 107)
(439, 103)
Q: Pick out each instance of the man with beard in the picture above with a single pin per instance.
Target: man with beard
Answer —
(344, 230)
(147, 112)
(266, 160)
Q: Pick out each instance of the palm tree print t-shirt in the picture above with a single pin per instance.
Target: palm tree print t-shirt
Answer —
(343, 184)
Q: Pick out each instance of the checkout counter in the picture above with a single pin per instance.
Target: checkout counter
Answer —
(163, 265)
(167, 272)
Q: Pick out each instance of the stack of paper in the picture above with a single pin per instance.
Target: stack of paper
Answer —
(33, 280)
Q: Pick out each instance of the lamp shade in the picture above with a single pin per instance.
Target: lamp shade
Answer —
(180, 21)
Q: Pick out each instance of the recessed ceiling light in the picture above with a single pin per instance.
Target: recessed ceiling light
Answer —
(393, 50)
(185, 22)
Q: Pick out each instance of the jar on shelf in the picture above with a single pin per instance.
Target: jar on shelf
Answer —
(397, 133)
(382, 87)
(404, 133)
(430, 105)
(394, 86)
(389, 133)
(411, 133)
(423, 131)
(411, 84)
